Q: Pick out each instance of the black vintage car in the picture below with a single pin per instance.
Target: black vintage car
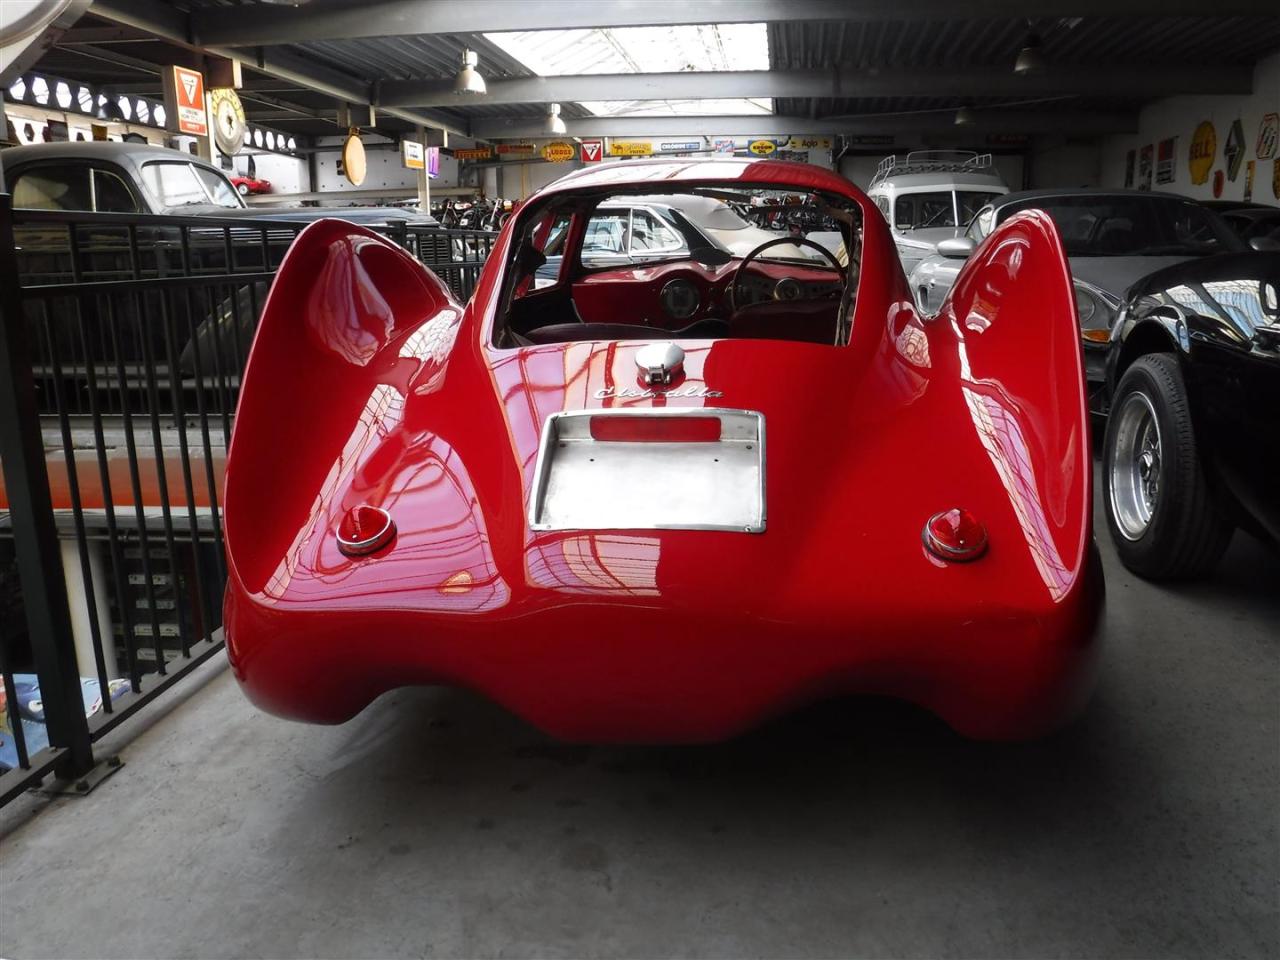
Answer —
(1192, 447)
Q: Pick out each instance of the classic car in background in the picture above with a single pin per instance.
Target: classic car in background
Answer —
(1255, 222)
(246, 185)
(110, 177)
(929, 195)
(1112, 238)
(626, 523)
(1192, 447)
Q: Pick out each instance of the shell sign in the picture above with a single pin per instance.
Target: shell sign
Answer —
(762, 148)
(1204, 147)
(559, 151)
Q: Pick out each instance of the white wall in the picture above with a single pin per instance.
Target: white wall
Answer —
(384, 167)
(286, 174)
(1179, 116)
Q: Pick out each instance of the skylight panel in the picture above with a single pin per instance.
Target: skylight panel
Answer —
(668, 49)
(680, 108)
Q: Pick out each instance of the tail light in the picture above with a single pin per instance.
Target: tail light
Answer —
(364, 530)
(955, 535)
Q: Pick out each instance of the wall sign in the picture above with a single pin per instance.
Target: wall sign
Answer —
(630, 148)
(413, 155)
(680, 146)
(1204, 148)
(1233, 152)
(1219, 180)
(723, 145)
(1165, 165)
(559, 151)
(762, 148)
(1275, 179)
(1144, 167)
(591, 151)
(1130, 161)
(812, 143)
(474, 153)
(188, 101)
(1268, 136)
(516, 149)
(1248, 180)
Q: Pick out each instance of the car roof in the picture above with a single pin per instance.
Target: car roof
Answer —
(1045, 194)
(626, 175)
(108, 150)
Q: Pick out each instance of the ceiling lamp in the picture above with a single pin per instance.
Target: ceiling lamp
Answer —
(1030, 57)
(964, 117)
(467, 81)
(554, 126)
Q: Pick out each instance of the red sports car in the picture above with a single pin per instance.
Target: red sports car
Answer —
(673, 488)
(247, 185)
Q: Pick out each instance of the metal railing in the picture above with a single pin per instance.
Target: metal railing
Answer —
(123, 342)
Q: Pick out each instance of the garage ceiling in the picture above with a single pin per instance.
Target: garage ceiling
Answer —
(834, 66)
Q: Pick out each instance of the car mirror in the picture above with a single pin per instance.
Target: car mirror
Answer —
(1265, 245)
(957, 248)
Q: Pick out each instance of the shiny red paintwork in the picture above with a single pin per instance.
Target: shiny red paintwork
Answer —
(367, 384)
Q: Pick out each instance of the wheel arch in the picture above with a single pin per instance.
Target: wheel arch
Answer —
(1149, 337)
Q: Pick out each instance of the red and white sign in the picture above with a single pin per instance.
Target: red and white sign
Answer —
(592, 151)
(188, 88)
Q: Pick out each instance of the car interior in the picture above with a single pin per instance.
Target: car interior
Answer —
(690, 264)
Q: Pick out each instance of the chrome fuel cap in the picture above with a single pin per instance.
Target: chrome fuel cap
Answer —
(659, 362)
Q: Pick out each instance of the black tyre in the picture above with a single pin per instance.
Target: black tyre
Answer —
(1161, 512)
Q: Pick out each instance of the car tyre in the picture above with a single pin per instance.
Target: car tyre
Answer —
(1162, 515)
(242, 189)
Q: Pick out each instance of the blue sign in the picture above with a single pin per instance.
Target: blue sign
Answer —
(682, 145)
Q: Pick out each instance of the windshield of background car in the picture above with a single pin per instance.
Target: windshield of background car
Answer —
(917, 211)
(971, 201)
(1132, 226)
(177, 184)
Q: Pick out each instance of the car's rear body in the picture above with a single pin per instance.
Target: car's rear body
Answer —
(367, 385)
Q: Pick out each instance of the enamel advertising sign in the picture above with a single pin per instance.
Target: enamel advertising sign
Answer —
(1204, 148)
(188, 89)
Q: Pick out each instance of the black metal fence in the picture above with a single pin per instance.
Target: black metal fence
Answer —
(123, 342)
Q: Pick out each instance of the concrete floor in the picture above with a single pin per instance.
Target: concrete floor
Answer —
(436, 825)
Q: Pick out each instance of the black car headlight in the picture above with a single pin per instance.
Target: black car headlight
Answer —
(1095, 312)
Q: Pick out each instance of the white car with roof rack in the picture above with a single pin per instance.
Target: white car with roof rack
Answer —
(929, 195)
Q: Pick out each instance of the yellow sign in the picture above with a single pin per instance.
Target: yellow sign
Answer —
(559, 151)
(515, 149)
(353, 159)
(414, 154)
(473, 153)
(809, 143)
(762, 148)
(1204, 147)
(629, 148)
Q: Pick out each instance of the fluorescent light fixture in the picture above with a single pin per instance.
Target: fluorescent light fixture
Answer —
(964, 117)
(468, 82)
(1031, 57)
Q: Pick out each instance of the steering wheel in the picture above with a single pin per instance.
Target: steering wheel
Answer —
(755, 255)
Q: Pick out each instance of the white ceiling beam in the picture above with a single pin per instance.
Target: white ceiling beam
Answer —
(1091, 123)
(1105, 80)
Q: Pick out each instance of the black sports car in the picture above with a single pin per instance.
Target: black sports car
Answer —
(1192, 447)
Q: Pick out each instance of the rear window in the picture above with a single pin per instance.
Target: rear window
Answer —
(54, 187)
(1125, 226)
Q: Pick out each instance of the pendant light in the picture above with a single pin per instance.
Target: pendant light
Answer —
(554, 126)
(468, 82)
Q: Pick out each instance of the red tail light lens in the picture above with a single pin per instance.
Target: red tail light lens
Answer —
(649, 429)
(364, 530)
(955, 535)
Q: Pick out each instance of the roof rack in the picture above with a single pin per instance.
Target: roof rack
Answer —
(931, 161)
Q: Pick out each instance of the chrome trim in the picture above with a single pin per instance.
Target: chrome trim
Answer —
(1134, 487)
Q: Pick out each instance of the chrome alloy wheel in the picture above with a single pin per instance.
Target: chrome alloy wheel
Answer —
(1135, 466)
